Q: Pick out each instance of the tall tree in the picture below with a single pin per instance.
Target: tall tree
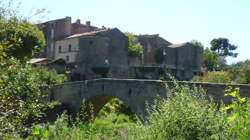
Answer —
(223, 47)
(211, 59)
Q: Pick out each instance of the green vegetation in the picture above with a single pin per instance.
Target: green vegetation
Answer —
(188, 114)
(217, 77)
(20, 98)
(20, 94)
(20, 39)
(223, 47)
(134, 47)
(210, 59)
(197, 43)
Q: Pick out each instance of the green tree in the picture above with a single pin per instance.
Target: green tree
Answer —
(210, 59)
(20, 39)
(197, 43)
(20, 94)
(134, 47)
(223, 47)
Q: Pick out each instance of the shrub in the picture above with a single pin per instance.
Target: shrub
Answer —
(187, 114)
(135, 49)
(240, 115)
(20, 94)
(217, 77)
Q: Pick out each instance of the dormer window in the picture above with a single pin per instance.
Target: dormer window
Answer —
(69, 48)
(60, 49)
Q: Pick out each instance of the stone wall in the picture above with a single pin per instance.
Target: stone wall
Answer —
(107, 48)
(217, 91)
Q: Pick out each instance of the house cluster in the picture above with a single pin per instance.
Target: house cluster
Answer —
(101, 52)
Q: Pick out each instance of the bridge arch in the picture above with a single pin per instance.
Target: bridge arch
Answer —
(136, 94)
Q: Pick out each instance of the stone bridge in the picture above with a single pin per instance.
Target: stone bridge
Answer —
(136, 94)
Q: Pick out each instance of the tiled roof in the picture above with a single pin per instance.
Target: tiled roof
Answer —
(85, 34)
(38, 60)
(178, 45)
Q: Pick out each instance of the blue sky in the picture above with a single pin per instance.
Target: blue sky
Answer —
(175, 20)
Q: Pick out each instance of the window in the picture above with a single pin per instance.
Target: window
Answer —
(52, 33)
(51, 47)
(91, 42)
(69, 48)
(60, 49)
(67, 58)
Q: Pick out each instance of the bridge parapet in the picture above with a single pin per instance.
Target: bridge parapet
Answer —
(135, 93)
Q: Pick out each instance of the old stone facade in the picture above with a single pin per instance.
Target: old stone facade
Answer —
(102, 53)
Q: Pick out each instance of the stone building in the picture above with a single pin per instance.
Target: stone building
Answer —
(59, 29)
(100, 52)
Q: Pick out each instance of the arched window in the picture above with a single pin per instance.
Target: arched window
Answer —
(60, 49)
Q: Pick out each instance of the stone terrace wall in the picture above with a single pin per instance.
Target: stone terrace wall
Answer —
(218, 90)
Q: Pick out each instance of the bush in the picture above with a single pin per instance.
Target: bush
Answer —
(187, 114)
(240, 115)
(217, 77)
(135, 49)
(20, 95)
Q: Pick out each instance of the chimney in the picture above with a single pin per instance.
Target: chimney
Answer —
(88, 23)
(68, 18)
(78, 21)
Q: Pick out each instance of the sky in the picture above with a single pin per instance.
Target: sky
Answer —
(175, 20)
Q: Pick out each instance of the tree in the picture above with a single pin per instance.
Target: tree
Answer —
(20, 39)
(223, 47)
(134, 47)
(197, 43)
(210, 59)
(20, 94)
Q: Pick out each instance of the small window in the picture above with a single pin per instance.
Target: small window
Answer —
(69, 48)
(52, 33)
(67, 58)
(60, 49)
(51, 47)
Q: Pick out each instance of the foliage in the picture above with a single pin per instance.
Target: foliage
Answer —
(240, 115)
(20, 95)
(159, 56)
(115, 106)
(197, 43)
(50, 77)
(240, 72)
(223, 47)
(20, 39)
(217, 77)
(135, 49)
(187, 114)
(210, 59)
